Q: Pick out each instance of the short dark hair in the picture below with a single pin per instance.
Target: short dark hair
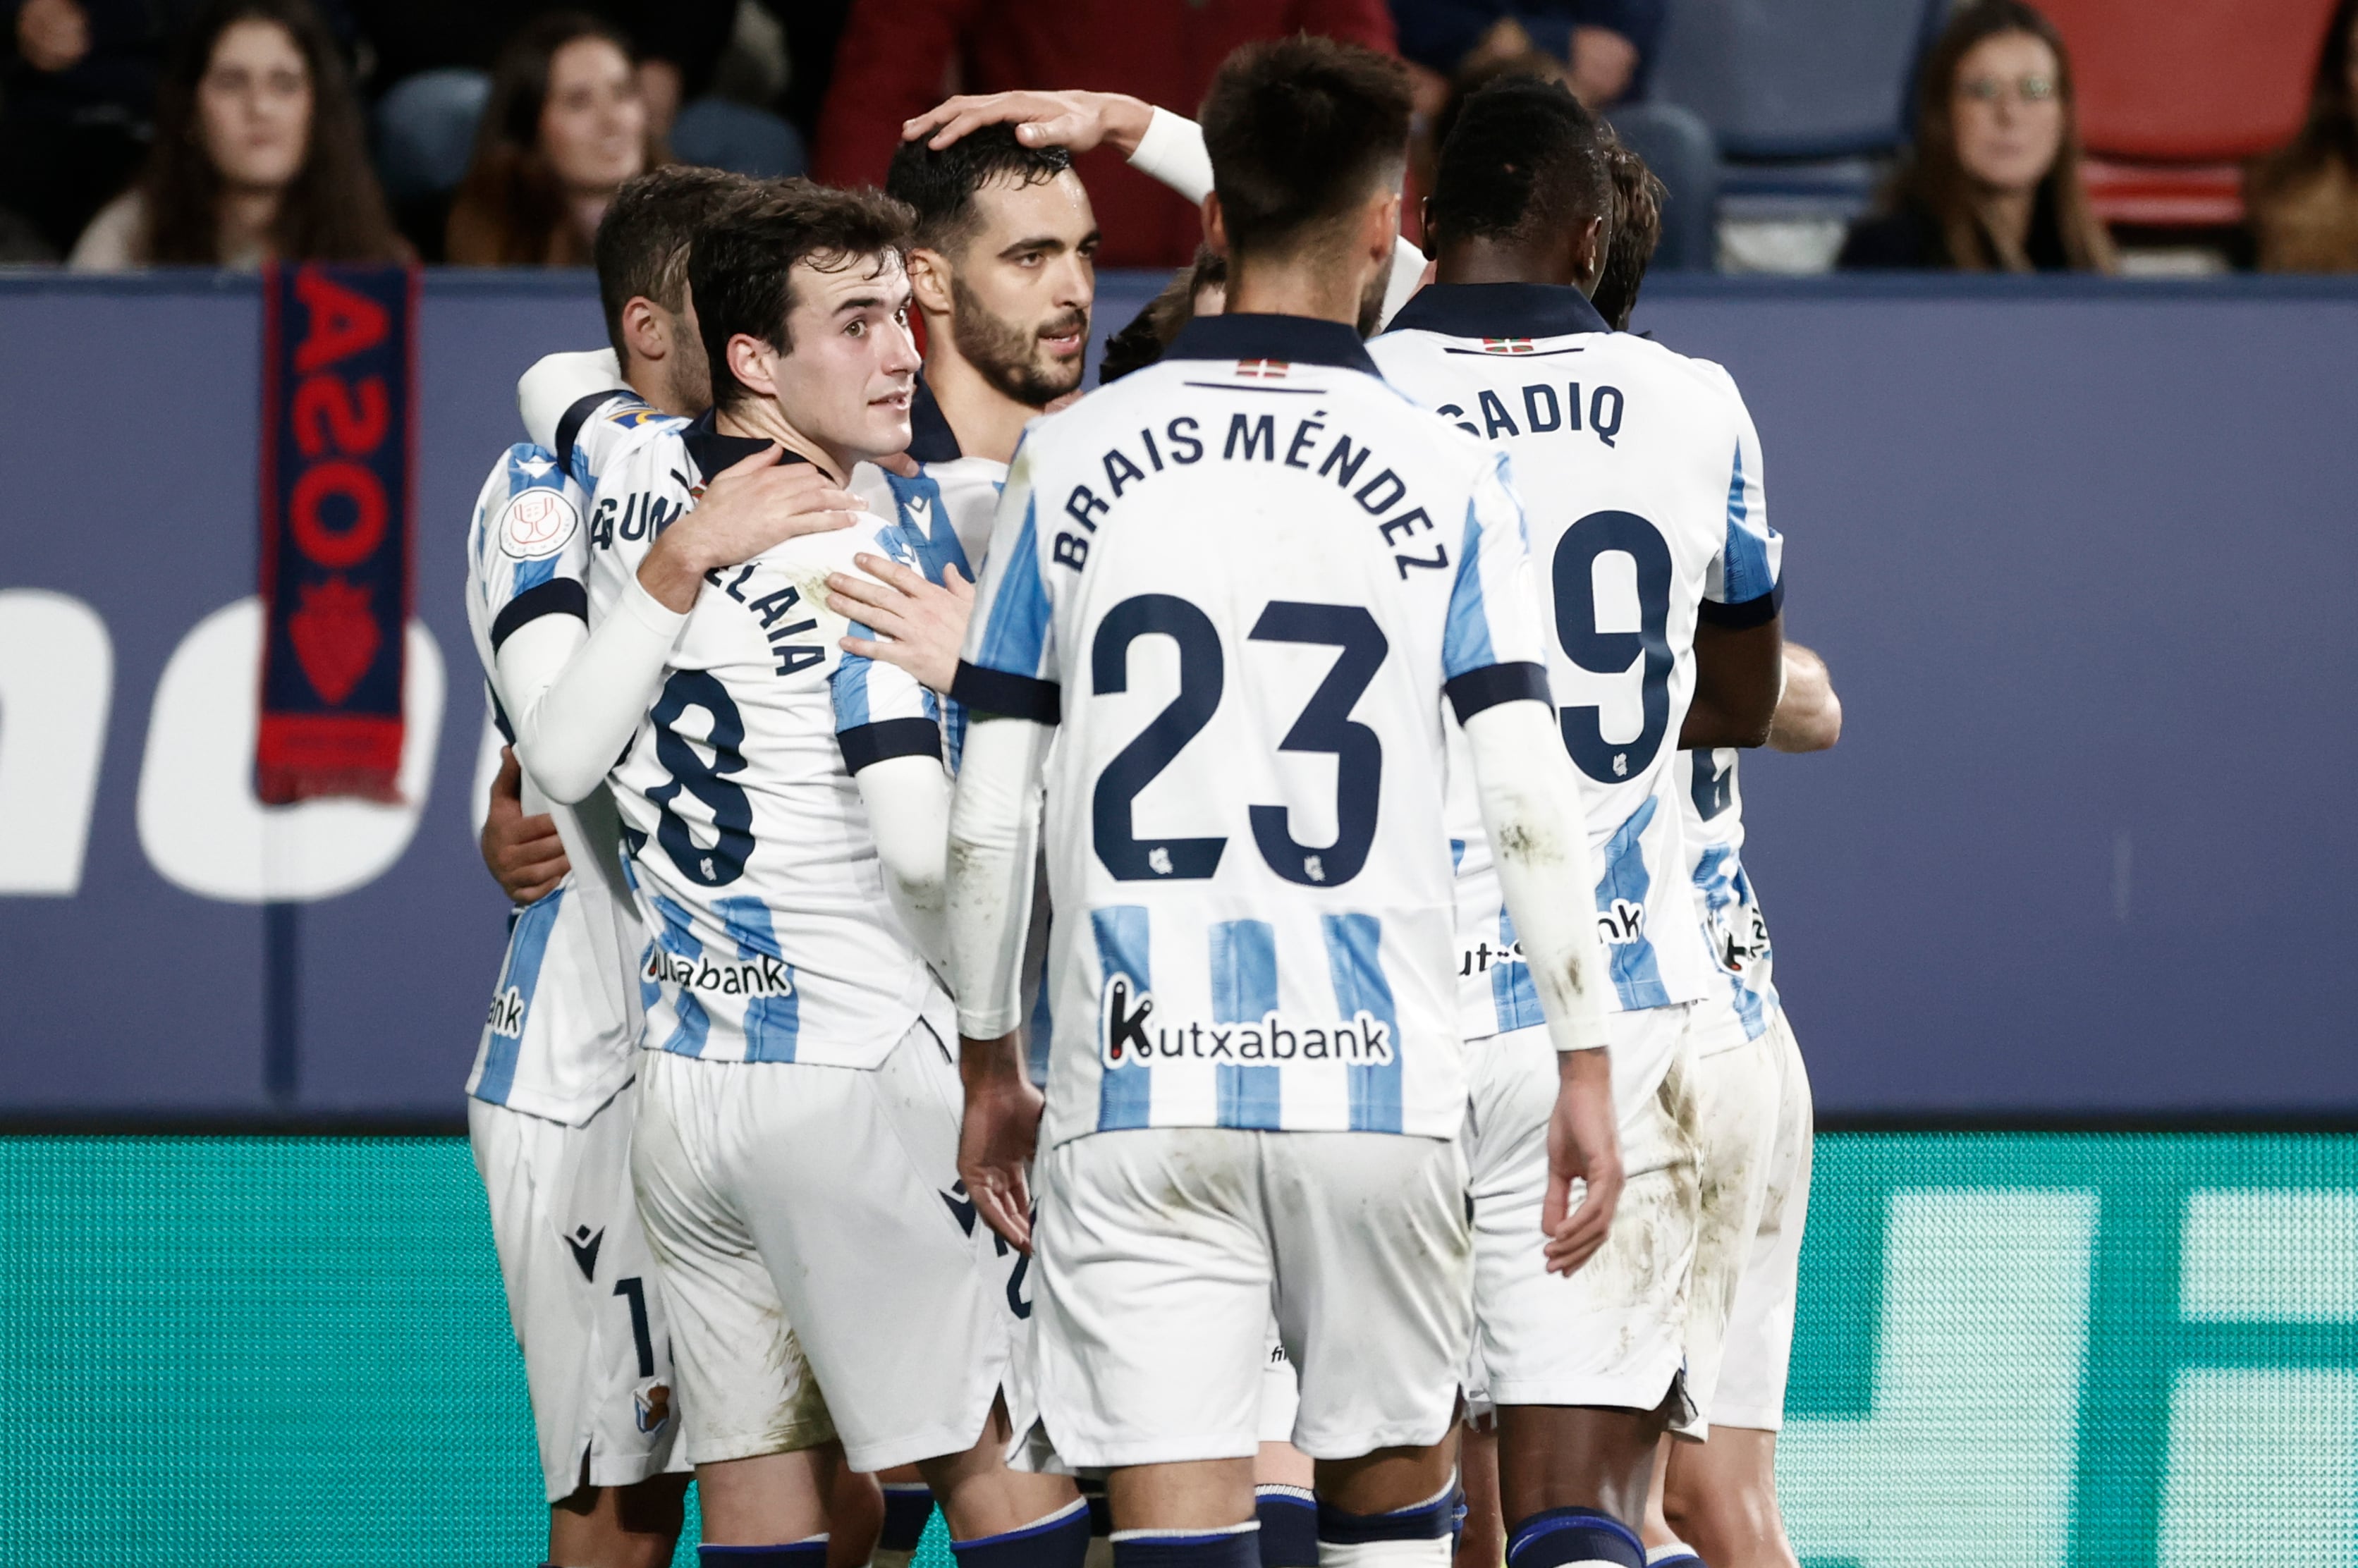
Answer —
(1524, 157)
(643, 240)
(939, 184)
(1150, 332)
(1636, 228)
(741, 264)
(1302, 130)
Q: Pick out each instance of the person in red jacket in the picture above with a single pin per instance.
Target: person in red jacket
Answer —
(897, 56)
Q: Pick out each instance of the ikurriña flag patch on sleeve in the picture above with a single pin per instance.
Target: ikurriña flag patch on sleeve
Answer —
(339, 380)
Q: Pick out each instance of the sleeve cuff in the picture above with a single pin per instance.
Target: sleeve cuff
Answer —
(1491, 685)
(866, 744)
(1751, 612)
(558, 596)
(1172, 151)
(1009, 695)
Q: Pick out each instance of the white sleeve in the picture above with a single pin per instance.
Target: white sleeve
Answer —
(576, 701)
(557, 382)
(1547, 872)
(993, 838)
(1172, 151)
(908, 802)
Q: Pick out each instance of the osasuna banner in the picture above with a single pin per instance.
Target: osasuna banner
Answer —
(339, 375)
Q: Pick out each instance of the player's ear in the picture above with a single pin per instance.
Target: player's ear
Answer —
(754, 364)
(1383, 225)
(1215, 226)
(1425, 225)
(645, 330)
(929, 281)
(1588, 251)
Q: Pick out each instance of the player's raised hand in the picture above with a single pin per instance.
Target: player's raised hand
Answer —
(1582, 1144)
(522, 853)
(919, 627)
(749, 506)
(1076, 121)
(997, 1138)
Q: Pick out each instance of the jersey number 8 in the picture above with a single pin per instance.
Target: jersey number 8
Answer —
(1325, 727)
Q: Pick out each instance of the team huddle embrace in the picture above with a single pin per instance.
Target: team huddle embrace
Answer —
(1167, 971)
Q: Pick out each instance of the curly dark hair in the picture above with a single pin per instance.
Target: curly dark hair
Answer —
(333, 209)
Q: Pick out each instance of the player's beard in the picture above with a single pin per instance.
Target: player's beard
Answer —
(1007, 355)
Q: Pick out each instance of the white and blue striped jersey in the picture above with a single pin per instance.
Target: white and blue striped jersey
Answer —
(563, 1028)
(1640, 471)
(1733, 925)
(945, 512)
(1242, 581)
(773, 936)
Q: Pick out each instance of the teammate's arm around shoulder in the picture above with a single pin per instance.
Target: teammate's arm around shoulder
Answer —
(1532, 813)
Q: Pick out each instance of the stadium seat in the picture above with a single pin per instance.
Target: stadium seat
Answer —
(2173, 99)
(1801, 94)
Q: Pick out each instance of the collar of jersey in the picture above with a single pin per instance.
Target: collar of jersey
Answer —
(1499, 310)
(1296, 340)
(931, 439)
(711, 452)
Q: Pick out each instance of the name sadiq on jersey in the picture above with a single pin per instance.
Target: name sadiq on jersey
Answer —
(1256, 438)
(1124, 1040)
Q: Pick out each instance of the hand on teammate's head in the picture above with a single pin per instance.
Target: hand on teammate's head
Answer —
(1078, 122)
(522, 853)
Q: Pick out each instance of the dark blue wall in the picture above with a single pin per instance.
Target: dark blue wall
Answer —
(2069, 548)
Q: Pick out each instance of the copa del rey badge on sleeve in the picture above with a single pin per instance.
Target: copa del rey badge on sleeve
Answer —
(338, 419)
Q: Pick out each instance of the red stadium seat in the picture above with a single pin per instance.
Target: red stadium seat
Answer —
(2173, 98)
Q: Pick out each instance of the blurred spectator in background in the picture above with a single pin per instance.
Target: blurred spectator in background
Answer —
(1602, 50)
(900, 57)
(436, 57)
(258, 154)
(77, 90)
(1993, 181)
(567, 124)
(2304, 201)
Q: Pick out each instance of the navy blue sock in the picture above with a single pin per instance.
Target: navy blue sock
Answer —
(907, 1510)
(1060, 1540)
(811, 1554)
(1289, 1526)
(1561, 1536)
(1431, 1519)
(1237, 1547)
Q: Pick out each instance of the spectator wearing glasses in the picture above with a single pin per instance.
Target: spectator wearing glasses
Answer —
(566, 125)
(258, 154)
(1992, 183)
(2304, 201)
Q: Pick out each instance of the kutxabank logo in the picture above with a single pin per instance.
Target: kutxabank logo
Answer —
(1128, 1036)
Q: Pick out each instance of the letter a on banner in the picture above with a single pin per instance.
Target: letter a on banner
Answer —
(338, 367)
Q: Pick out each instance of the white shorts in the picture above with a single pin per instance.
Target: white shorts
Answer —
(1162, 1252)
(1736, 1095)
(1758, 1343)
(1281, 1392)
(583, 1293)
(813, 1234)
(1613, 1333)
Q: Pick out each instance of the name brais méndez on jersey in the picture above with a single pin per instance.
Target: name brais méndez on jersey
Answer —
(1640, 472)
(1242, 584)
(774, 937)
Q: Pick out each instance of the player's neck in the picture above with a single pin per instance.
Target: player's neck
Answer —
(1306, 285)
(760, 419)
(1478, 261)
(987, 422)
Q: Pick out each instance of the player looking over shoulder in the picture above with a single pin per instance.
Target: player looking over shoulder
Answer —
(784, 806)
(1236, 589)
(552, 1093)
(1659, 583)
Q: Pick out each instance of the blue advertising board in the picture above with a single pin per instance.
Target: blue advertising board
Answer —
(2067, 546)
